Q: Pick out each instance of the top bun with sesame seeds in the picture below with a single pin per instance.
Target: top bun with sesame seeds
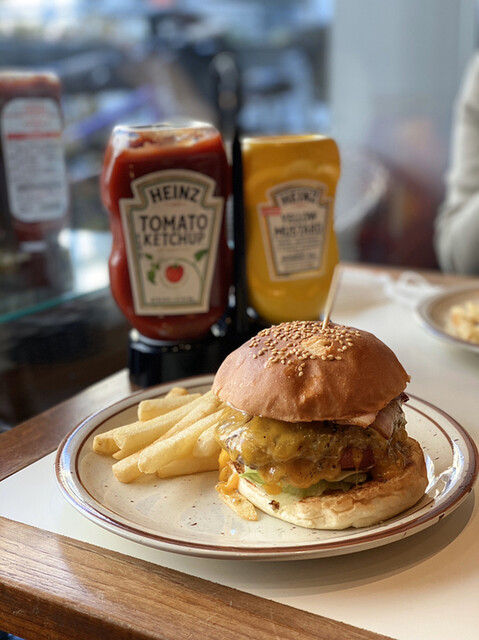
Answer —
(298, 371)
(313, 431)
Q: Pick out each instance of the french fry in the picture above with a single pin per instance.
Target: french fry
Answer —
(177, 440)
(123, 453)
(204, 406)
(206, 444)
(140, 434)
(177, 391)
(127, 470)
(187, 466)
(105, 443)
(154, 407)
(176, 446)
(239, 504)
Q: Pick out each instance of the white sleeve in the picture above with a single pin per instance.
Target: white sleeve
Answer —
(457, 225)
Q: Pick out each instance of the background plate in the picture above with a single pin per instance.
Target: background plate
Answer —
(185, 515)
(433, 314)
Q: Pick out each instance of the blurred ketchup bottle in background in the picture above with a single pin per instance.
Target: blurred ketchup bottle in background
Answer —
(34, 192)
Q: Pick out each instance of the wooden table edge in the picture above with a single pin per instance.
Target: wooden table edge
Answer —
(40, 599)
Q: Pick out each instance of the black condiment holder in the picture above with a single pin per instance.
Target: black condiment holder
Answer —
(151, 362)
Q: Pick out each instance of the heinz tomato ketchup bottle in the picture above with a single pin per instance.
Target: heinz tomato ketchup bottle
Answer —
(165, 188)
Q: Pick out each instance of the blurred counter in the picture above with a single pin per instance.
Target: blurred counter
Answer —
(60, 329)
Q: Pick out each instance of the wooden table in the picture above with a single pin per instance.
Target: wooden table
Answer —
(54, 587)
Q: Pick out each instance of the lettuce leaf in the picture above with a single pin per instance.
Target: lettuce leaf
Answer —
(314, 490)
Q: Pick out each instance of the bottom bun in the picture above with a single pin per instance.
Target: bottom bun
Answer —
(363, 506)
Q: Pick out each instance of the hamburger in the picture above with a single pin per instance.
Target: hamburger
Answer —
(313, 431)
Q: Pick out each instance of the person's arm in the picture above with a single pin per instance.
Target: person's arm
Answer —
(457, 226)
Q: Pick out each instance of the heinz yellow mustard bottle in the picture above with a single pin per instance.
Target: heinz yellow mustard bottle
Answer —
(291, 250)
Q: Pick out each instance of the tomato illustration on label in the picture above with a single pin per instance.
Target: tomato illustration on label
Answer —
(174, 272)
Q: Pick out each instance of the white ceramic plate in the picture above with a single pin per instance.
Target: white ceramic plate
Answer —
(185, 515)
(433, 314)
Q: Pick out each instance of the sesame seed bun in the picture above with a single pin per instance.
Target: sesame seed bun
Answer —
(298, 371)
(350, 385)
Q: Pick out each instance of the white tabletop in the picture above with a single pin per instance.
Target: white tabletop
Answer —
(425, 586)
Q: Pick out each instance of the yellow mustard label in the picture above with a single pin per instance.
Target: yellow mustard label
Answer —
(294, 225)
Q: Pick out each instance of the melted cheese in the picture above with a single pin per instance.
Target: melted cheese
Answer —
(302, 454)
(227, 488)
(228, 476)
(272, 489)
